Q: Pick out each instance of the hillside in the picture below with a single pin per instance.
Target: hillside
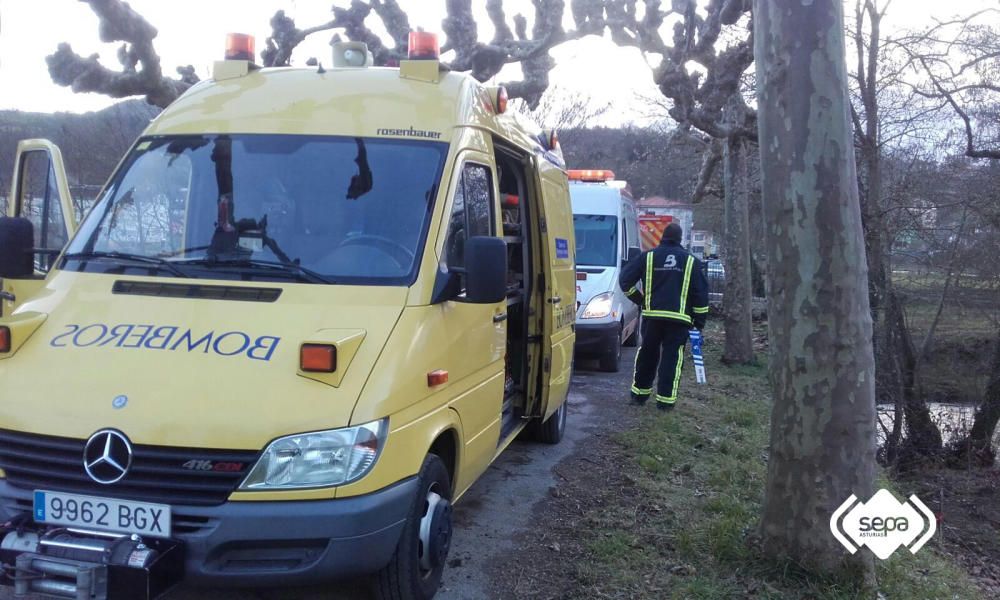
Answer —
(92, 143)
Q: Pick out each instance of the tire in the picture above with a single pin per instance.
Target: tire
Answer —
(611, 358)
(636, 338)
(411, 574)
(552, 430)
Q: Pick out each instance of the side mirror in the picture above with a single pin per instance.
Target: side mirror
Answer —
(17, 238)
(485, 270)
(633, 253)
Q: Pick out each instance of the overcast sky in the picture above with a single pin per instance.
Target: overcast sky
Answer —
(193, 32)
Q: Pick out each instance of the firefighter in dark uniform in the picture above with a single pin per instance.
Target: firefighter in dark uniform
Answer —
(674, 298)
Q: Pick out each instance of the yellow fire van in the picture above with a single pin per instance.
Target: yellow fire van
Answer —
(308, 309)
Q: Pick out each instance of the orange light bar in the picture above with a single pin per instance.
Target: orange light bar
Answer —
(423, 46)
(318, 358)
(239, 46)
(590, 174)
(4, 340)
(437, 377)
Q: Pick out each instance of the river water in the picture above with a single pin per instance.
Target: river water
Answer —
(954, 420)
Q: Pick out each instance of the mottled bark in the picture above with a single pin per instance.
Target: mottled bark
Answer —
(737, 299)
(822, 446)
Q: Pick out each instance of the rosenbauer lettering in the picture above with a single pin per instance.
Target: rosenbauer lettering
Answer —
(167, 337)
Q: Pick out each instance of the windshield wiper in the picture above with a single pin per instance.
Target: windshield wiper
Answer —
(249, 263)
(124, 256)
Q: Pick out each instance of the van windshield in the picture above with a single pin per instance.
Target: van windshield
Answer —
(318, 209)
(596, 240)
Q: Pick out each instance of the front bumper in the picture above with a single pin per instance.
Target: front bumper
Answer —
(595, 339)
(257, 544)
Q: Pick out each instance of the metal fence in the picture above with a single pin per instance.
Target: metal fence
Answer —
(716, 276)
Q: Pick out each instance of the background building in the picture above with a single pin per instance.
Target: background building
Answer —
(703, 243)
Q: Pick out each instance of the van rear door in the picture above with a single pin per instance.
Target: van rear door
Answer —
(558, 272)
(39, 193)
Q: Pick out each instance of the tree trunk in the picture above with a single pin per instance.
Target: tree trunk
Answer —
(886, 376)
(822, 446)
(923, 438)
(737, 298)
(977, 446)
(894, 326)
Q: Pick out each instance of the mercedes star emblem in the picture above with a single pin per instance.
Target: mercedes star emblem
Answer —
(107, 456)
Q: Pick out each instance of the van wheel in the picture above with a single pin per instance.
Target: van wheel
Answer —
(552, 430)
(612, 356)
(634, 340)
(415, 569)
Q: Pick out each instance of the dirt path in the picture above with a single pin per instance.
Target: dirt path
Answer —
(500, 509)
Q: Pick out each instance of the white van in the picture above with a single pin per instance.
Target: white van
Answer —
(607, 234)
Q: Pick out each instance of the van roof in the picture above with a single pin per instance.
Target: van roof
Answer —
(363, 102)
(590, 199)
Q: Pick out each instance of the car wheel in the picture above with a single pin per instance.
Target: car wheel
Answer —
(552, 430)
(612, 356)
(415, 569)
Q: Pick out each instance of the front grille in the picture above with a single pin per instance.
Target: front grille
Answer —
(157, 474)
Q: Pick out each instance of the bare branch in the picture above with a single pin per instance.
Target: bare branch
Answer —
(119, 23)
(970, 149)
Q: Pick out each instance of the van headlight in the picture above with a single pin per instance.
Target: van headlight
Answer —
(319, 459)
(599, 306)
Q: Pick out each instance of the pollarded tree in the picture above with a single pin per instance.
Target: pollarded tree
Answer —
(822, 369)
(701, 72)
(142, 74)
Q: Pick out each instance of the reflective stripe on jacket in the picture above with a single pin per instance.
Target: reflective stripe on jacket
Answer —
(673, 283)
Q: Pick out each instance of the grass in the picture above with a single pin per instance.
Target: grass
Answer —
(701, 472)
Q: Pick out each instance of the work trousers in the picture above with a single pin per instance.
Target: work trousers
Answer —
(663, 342)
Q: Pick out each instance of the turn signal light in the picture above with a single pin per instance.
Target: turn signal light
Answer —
(501, 103)
(423, 46)
(4, 340)
(581, 276)
(318, 358)
(590, 174)
(437, 377)
(239, 46)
